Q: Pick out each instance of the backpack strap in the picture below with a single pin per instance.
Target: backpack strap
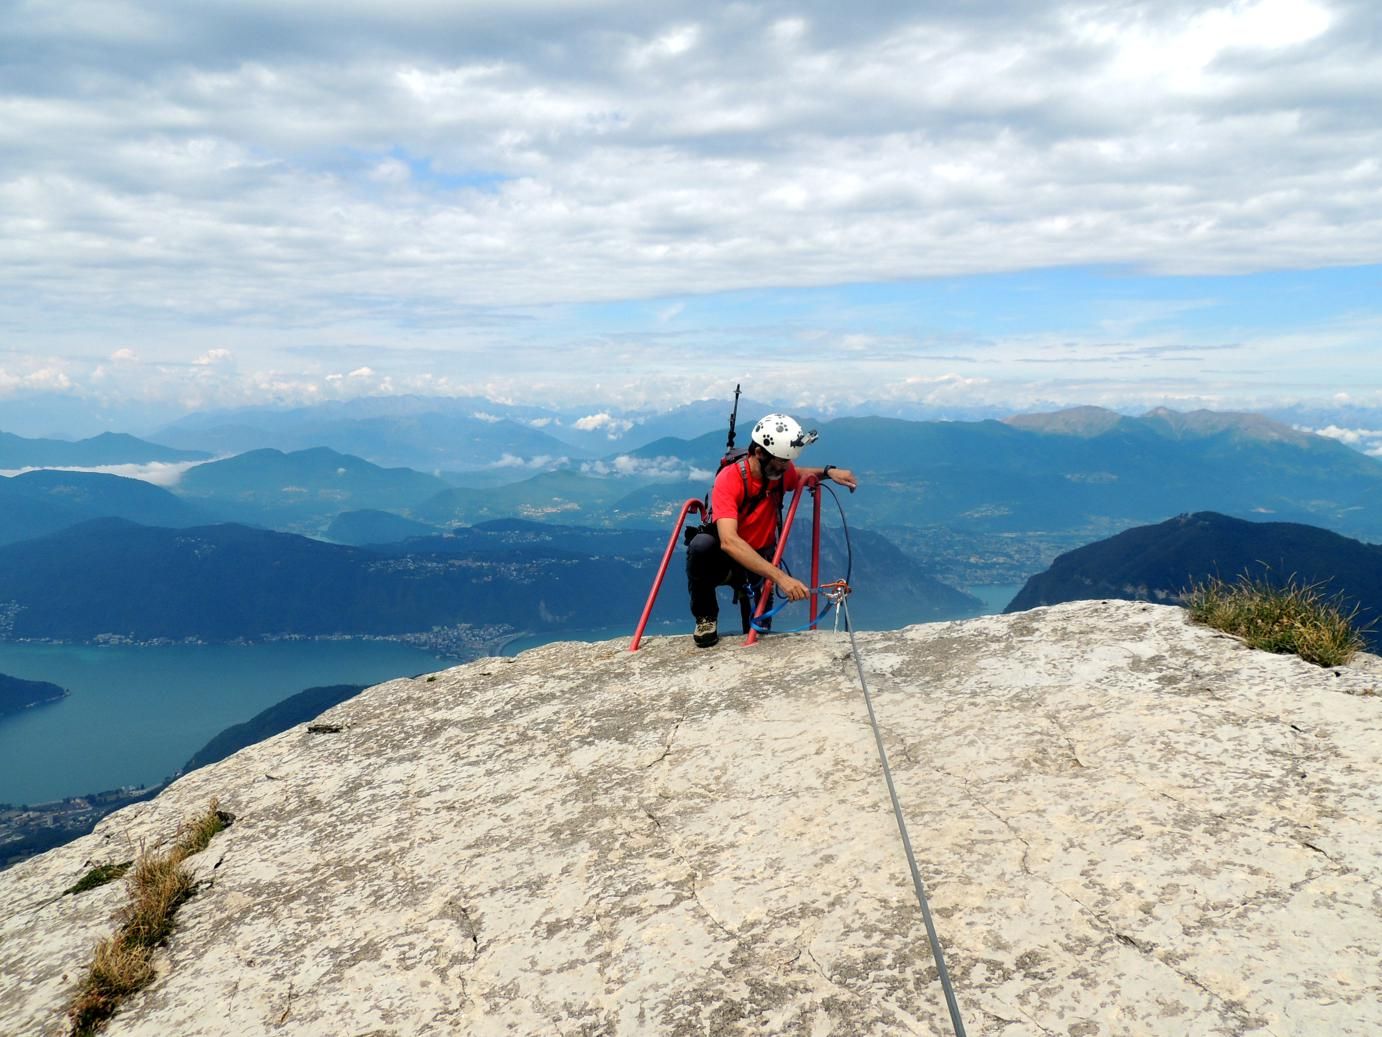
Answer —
(750, 504)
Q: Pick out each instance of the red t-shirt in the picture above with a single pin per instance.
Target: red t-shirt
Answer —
(759, 527)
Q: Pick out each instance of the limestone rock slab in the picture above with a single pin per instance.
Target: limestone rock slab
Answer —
(1127, 825)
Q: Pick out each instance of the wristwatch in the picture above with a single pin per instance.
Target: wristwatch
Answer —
(825, 472)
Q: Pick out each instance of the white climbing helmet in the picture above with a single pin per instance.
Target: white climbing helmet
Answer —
(781, 436)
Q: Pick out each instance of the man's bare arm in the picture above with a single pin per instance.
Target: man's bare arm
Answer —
(843, 476)
(740, 552)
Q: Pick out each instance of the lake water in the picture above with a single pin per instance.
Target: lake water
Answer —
(135, 714)
(995, 596)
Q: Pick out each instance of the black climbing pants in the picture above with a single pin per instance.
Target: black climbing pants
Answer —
(708, 567)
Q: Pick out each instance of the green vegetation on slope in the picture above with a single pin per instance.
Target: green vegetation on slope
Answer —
(1157, 563)
(294, 710)
(1290, 618)
(18, 694)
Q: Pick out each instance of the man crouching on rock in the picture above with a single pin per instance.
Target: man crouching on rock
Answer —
(745, 509)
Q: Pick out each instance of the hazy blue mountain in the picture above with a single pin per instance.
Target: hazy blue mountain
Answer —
(998, 476)
(219, 583)
(226, 582)
(109, 448)
(655, 505)
(561, 496)
(1092, 422)
(17, 694)
(512, 536)
(690, 421)
(431, 442)
(890, 588)
(428, 434)
(296, 709)
(371, 526)
(498, 475)
(221, 440)
(1357, 427)
(1157, 562)
(305, 489)
(701, 449)
(895, 590)
(60, 415)
(41, 502)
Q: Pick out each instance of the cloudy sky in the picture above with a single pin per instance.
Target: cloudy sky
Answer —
(993, 202)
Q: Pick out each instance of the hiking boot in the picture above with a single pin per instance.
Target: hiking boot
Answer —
(706, 634)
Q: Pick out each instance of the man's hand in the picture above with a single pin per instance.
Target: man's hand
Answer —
(845, 478)
(793, 588)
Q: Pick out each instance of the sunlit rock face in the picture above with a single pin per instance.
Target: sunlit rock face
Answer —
(1127, 825)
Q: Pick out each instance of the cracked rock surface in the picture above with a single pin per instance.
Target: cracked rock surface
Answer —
(1126, 824)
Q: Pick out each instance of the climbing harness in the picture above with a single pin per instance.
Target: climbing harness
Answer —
(931, 936)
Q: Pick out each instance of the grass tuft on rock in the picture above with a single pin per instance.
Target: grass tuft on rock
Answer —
(123, 963)
(1290, 618)
(98, 876)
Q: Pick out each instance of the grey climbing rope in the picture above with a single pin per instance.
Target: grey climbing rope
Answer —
(936, 951)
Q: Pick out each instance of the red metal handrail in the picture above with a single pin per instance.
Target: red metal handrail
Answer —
(694, 504)
(811, 483)
(815, 547)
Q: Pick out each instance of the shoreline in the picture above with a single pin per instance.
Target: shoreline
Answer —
(452, 642)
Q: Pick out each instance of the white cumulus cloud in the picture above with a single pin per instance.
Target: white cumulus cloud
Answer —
(626, 465)
(539, 462)
(160, 473)
(294, 180)
(604, 420)
(1365, 440)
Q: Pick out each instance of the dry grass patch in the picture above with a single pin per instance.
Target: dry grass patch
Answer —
(117, 970)
(1290, 619)
(123, 963)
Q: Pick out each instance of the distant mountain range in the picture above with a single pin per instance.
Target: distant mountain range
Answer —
(1156, 563)
(965, 487)
(1085, 469)
(109, 448)
(427, 442)
(220, 583)
(448, 433)
(1093, 422)
(42, 502)
(562, 496)
(512, 536)
(303, 490)
(372, 526)
(461, 434)
(229, 581)
(894, 589)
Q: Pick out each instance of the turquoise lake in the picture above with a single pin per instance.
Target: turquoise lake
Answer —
(136, 714)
